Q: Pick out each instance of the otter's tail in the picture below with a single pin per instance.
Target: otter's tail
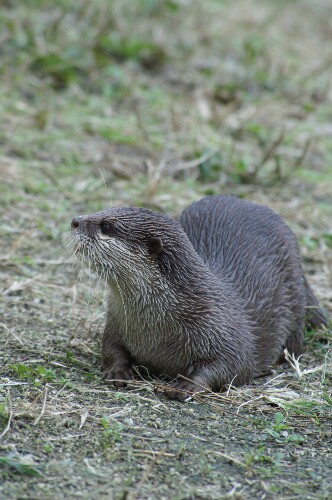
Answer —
(315, 314)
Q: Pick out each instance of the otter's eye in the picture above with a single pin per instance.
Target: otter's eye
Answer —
(106, 227)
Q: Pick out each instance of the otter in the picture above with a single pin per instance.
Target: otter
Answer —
(209, 300)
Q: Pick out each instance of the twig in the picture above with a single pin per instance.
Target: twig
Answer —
(273, 146)
(84, 416)
(140, 123)
(63, 387)
(295, 364)
(232, 459)
(43, 408)
(193, 163)
(249, 401)
(11, 413)
(153, 452)
(298, 162)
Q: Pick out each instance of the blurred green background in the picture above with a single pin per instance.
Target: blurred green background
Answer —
(158, 99)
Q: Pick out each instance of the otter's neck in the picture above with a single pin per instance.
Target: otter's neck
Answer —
(166, 293)
(146, 289)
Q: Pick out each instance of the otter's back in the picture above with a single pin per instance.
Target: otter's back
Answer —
(250, 246)
(224, 230)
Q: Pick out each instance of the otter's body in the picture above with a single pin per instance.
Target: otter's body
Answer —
(214, 298)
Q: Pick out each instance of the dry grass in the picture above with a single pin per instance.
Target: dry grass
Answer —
(156, 104)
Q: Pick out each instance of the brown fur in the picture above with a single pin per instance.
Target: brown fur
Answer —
(214, 298)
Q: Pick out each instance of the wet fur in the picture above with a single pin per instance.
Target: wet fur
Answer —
(215, 297)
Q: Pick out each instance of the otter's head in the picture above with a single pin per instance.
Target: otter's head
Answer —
(128, 243)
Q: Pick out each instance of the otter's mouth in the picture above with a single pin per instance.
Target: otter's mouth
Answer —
(79, 246)
(81, 249)
(86, 250)
(75, 242)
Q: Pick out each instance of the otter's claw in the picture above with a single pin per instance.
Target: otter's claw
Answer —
(181, 390)
(118, 377)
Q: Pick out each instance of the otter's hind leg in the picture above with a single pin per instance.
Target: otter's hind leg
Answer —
(208, 375)
(315, 314)
(294, 341)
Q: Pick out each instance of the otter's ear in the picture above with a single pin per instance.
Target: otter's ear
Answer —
(155, 245)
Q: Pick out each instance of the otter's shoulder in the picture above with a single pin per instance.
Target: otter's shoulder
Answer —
(215, 222)
(222, 202)
(217, 208)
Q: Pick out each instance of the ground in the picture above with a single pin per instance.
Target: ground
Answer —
(156, 103)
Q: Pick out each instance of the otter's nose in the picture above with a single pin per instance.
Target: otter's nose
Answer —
(76, 222)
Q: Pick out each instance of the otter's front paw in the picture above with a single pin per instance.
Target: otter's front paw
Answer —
(181, 390)
(118, 376)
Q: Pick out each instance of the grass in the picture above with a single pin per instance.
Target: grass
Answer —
(156, 103)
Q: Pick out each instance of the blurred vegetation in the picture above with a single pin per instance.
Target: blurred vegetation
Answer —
(164, 81)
